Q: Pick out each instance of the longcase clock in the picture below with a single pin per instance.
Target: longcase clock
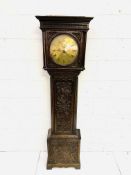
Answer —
(64, 43)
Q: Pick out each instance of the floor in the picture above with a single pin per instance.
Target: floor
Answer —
(92, 163)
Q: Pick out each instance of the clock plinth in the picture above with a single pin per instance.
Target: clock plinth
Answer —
(63, 150)
(64, 42)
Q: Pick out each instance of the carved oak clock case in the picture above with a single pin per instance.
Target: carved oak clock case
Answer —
(64, 43)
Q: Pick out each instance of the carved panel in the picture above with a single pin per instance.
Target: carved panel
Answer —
(63, 151)
(78, 35)
(50, 34)
(63, 105)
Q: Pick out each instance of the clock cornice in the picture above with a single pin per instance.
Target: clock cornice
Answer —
(60, 22)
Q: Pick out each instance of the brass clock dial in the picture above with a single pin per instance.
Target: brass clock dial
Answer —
(63, 49)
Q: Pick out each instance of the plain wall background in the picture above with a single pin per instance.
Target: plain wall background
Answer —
(104, 94)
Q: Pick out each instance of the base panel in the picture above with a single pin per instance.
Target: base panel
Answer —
(63, 150)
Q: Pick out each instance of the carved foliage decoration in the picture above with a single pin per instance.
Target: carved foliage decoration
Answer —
(63, 105)
(51, 34)
(63, 151)
(78, 35)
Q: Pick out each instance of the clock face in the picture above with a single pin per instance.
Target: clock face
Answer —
(63, 49)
